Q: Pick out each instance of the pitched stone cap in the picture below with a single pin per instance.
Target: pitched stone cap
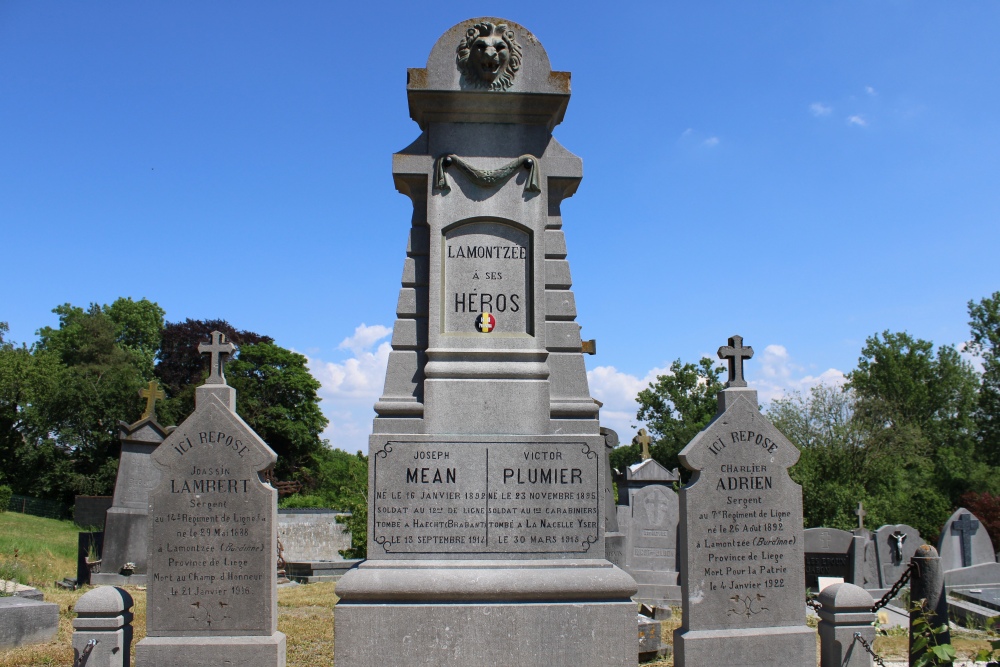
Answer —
(727, 397)
(146, 430)
(443, 93)
(651, 471)
(846, 597)
(742, 419)
(104, 601)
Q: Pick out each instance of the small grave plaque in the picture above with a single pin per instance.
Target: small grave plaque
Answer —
(741, 541)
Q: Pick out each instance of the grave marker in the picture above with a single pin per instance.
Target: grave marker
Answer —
(964, 542)
(742, 551)
(212, 589)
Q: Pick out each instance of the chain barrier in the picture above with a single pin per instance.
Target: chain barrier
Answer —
(868, 647)
(896, 587)
(85, 655)
(814, 603)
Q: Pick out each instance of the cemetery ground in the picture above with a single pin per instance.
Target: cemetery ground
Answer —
(46, 551)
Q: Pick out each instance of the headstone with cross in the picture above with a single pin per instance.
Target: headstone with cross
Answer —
(965, 542)
(895, 546)
(829, 552)
(741, 538)
(861, 516)
(213, 538)
(643, 439)
(126, 526)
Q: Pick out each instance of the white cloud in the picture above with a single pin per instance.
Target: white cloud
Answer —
(858, 120)
(819, 109)
(870, 91)
(349, 388)
(711, 142)
(777, 374)
(364, 337)
(617, 391)
(687, 133)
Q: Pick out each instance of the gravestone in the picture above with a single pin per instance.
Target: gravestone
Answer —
(829, 553)
(648, 516)
(211, 596)
(741, 541)
(895, 546)
(964, 542)
(487, 471)
(126, 531)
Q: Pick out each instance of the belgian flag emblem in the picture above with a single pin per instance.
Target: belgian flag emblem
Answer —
(485, 322)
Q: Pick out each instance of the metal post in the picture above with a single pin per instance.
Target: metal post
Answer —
(927, 583)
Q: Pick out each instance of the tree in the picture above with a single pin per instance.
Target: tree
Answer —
(985, 325)
(675, 408)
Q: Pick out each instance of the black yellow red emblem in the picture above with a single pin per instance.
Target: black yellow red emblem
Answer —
(485, 323)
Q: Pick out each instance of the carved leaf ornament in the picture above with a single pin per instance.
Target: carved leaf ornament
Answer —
(486, 178)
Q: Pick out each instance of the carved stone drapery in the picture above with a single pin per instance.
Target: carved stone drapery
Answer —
(487, 178)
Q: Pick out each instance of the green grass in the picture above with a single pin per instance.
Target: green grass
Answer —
(45, 548)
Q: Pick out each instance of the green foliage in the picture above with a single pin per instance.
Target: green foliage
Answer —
(5, 495)
(675, 408)
(985, 325)
(929, 645)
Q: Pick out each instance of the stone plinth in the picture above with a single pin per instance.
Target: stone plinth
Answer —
(102, 629)
(847, 609)
(24, 621)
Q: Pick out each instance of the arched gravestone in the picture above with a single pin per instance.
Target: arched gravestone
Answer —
(487, 471)
(742, 569)
(895, 546)
(964, 542)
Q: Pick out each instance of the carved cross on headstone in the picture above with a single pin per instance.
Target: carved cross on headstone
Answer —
(965, 526)
(218, 348)
(861, 516)
(152, 393)
(644, 440)
(735, 353)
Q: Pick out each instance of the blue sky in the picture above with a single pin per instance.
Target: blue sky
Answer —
(802, 173)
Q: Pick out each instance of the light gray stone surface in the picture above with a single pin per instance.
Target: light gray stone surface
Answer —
(102, 629)
(964, 541)
(24, 621)
(895, 546)
(126, 531)
(741, 543)
(829, 553)
(212, 592)
(312, 536)
(487, 470)
(846, 610)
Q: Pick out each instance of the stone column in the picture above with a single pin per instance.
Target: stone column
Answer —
(102, 629)
(927, 583)
(847, 609)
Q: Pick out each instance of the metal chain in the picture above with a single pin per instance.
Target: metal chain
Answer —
(814, 603)
(896, 587)
(875, 656)
(85, 655)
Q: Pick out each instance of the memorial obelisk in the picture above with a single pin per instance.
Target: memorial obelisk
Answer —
(487, 463)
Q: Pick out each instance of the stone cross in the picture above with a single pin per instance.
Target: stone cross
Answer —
(218, 348)
(152, 394)
(735, 353)
(965, 526)
(861, 515)
(644, 440)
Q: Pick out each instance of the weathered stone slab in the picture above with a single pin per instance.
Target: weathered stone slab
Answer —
(742, 546)
(312, 536)
(964, 542)
(24, 621)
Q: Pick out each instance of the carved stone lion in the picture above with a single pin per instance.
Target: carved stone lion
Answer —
(489, 57)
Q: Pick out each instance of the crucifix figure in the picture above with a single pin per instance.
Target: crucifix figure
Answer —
(218, 348)
(644, 440)
(735, 353)
(965, 526)
(897, 539)
(861, 515)
(152, 394)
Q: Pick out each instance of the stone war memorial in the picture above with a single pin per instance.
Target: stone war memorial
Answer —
(211, 596)
(487, 474)
(741, 538)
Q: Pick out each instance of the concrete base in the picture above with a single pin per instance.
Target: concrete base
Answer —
(24, 621)
(203, 651)
(109, 579)
(313, 572)
(750, 647)
(531, 613)
(578, 634)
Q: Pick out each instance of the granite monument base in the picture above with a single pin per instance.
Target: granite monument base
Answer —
(126, 536)
(111, 579)
(24, 621)
(746, 647)
(527, 613)
(249, 651)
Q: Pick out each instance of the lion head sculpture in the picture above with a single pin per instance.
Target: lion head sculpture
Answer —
(489, 57)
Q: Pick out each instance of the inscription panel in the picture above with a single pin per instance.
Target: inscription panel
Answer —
(487, 269)
(485, 498)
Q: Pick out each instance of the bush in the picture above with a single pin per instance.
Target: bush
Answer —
(5, 495)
